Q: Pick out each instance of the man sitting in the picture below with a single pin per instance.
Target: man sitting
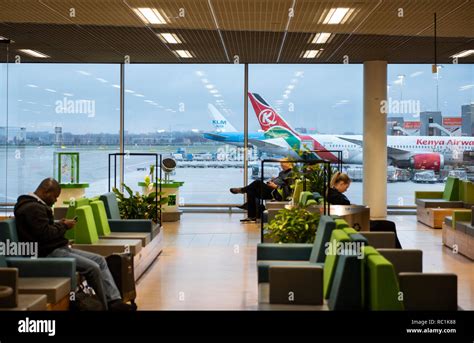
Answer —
(277, 188)
(35, 223)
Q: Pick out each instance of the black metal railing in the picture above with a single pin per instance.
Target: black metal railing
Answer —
(158, 160)
(326, 184)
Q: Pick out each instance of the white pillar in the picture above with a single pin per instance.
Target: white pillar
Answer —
(375, 138)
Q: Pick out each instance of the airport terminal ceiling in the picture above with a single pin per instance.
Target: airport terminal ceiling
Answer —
(238, 31)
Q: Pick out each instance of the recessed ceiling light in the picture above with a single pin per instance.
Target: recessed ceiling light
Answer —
(68, 94)
(50, 90)
(101, 80)
(150, 15)
(82, 72)
(217, 95)
(34, 53)
(129, 91)
(183, 53)
(310, 53)
(171, 38)
(116, 86)
(213, 91)
(338, 15)
(210, 86)
(464, 53)
(321, 38)
(139, 95)
(32, 85)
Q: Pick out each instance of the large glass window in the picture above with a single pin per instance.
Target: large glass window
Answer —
(430, 127)
(3, 124)
(321, 106)
(60, 108)
(194, 114)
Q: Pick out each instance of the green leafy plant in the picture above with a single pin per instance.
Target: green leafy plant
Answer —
(139, 206)
(314, 175)
(293, 225)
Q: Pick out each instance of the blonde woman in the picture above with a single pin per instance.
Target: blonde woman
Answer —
(340, 182)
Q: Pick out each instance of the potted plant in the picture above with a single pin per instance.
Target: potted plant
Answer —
(293, 225)
(139, 206)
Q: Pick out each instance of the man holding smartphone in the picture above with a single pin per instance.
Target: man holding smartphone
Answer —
(268, 190)
(35, 223)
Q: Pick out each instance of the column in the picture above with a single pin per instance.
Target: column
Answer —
(375, 138)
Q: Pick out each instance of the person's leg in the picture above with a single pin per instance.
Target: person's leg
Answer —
(88, 268)
(255, 191)
(252, 203)
(254, 185)
(111, 291)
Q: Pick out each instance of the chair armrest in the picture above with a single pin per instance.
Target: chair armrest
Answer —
(9, 278)
(428, 195)
(296, 285)
(284, 252)
(461, 216)
(45, 267)
(131, 225)
(421, 291)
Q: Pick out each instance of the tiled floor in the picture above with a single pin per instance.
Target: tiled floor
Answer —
(209, 262)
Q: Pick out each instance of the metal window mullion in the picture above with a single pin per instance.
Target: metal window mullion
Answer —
(246, 123)
(122, 122)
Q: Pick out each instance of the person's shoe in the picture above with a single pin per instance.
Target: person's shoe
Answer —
(248, 220)
(119, 305)
(236, 190)
(243, 207)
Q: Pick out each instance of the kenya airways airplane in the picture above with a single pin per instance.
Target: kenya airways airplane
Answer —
(418, 152)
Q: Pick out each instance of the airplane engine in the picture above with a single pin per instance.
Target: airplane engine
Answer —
(428, 161)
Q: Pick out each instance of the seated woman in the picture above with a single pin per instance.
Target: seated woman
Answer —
(340, 182)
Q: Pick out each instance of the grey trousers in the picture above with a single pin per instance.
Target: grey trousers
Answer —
(94, 268)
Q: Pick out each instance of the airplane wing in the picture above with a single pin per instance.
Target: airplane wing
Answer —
(390, 151)
(275, 145)
(212, 135)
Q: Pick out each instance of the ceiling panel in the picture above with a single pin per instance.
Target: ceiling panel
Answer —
(243, 31)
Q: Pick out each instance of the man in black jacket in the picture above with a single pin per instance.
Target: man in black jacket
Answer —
(277, 188)
(35, 223)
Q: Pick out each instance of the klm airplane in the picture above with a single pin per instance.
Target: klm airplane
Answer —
(226, 132)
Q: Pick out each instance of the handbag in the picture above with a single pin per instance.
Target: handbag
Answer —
(85, 299)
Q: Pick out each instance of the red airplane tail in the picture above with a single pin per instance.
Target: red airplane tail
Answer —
(266, 115)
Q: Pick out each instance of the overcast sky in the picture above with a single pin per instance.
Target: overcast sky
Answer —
(327, 98)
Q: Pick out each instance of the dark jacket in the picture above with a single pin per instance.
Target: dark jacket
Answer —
(284, 182)
(337, 198)
(35, 223)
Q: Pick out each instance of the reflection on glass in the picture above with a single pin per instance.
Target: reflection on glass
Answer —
(194, 114)
(59, 108)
